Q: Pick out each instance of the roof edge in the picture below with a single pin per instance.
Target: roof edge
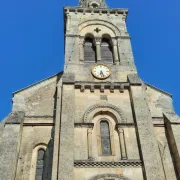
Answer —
(160, 90)
(37, 83)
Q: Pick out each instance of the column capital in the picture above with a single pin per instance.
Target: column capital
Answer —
(114, 41)
(81, 40)
(120, 130)
(97, 40)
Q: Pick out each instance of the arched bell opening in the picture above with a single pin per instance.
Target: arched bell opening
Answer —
(89, 49)
(106, 49)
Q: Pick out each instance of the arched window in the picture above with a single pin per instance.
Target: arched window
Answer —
(40, 164)
(105, 138)
(89, 50)
(106, 51)
(93, 5)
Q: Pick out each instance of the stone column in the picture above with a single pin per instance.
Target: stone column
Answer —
(66, 151)
(57, 132)
(145, 131)
(81, 48)
(10, 145)
(115, 51)
(89, 136)
(122, 142)
(98, 48)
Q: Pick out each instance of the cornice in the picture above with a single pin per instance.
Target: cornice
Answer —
(108, 11)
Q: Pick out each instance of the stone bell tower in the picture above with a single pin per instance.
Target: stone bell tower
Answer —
(96, 120)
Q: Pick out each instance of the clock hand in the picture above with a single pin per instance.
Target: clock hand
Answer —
(101, 73)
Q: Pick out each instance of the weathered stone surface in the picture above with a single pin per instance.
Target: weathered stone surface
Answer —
(10, 145)
(63, 113)
(1, 130)
(147, 140)
(66, 150)
(87, 3)
(134, 79)
(165, 152)
(173, 131)
(15, 118)
(57, 131)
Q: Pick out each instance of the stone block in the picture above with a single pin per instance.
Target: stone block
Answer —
(134, 79)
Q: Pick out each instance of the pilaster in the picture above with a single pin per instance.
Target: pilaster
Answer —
(57, 132)
(66, 152)
(147, 141)
(172, 122)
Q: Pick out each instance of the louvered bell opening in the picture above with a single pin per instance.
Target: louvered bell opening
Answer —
(106, 51)
(89, 50)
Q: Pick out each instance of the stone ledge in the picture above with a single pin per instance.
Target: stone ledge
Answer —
(16, 117)
(86, 125)
(134, 80)
(89, 164)
(37, 117)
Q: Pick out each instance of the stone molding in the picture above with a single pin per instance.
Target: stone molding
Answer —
(37, 117)
(89, 164)
(107, 176)
(106, 107)
(105, 23)
(109, 12)
(84, 125)
(110, 86)
(125, 125)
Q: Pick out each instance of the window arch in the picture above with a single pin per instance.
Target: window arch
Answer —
(89, 50)
(105, 138)
(106, 50)
(93, 5)
(40, 164)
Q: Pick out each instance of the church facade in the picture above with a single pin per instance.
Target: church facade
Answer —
(96, 120)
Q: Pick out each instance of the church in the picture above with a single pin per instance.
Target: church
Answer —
(96, 120)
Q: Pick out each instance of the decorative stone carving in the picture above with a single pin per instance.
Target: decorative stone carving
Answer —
(112, 88)
(111, 164)
(104, 107)
(121, 89)
(92, 88)
(103, 97)
(82, 88)
(97, 30)
(102, 88)
(109, 177)
(97, 40)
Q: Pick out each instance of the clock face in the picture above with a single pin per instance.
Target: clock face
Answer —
(101, 71)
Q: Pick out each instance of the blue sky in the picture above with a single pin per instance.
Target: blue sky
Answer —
(31, 43)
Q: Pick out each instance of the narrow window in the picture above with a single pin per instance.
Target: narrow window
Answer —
(106, 51)
(105, 138)
(89, 50)
(40, 164)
